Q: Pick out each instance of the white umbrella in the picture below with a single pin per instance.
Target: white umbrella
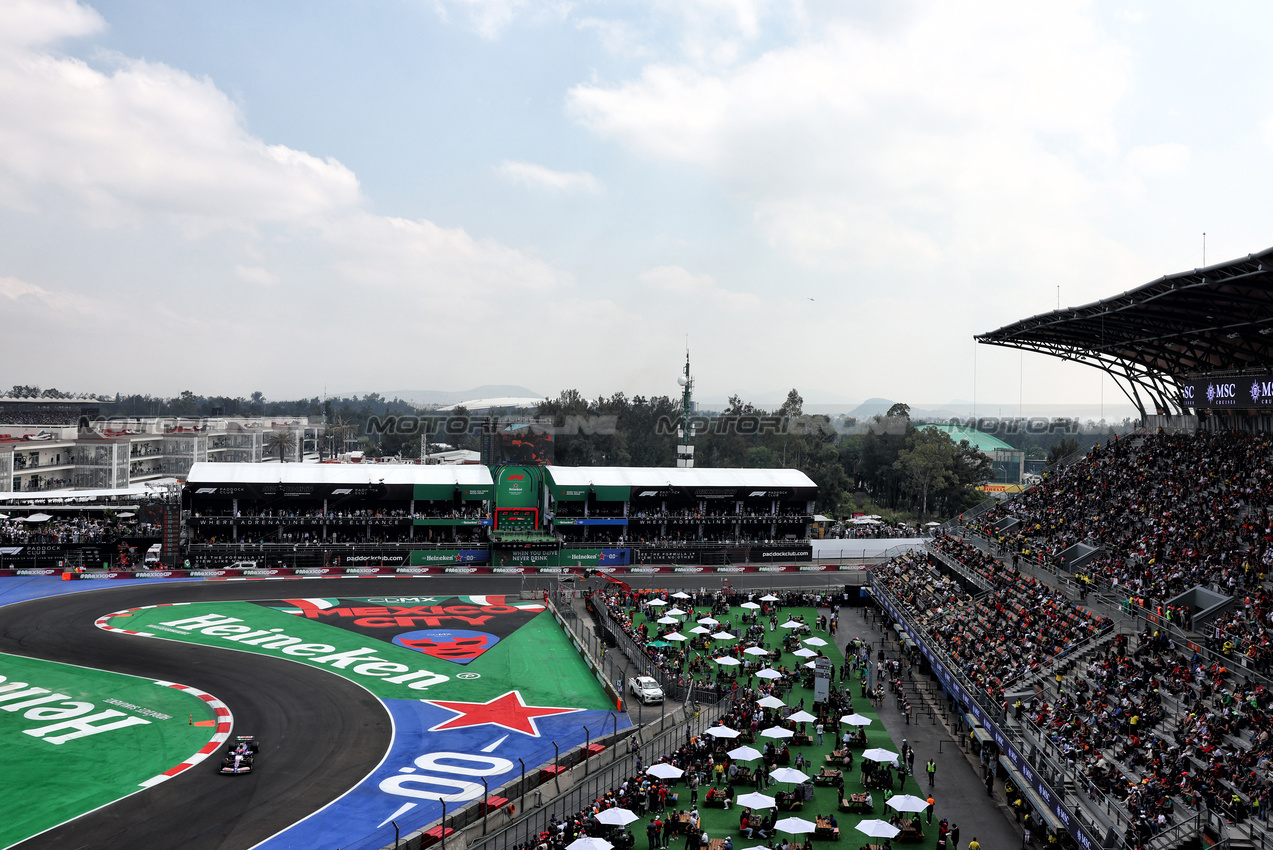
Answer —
(789, 774)
(795, 826)
(125, 514)
(777, 732)
(792, 624)
(617, 816)
(724, 636)
(801, 717)
(752, 606)
(588, 842)
(814, 641)
(855, 720)
(810, 664)
(769, 673)
(39, 518)
(727, 661)
(663, 770)
(4, 516)
(744, 753)
(879, 754)
(755, 650)
(699, 630)
(709, 621)
(878, 828)
(908, 803)
(769, 597)
(806, 653)
(770, 702)
(722, 732)
(675, 612)
(680, 594)
(675, 636)
(667, 621)
(656, 602)
(756, 800)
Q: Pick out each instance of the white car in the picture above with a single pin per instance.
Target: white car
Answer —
(646, 689)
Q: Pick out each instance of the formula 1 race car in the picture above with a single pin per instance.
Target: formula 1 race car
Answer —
(241, 755)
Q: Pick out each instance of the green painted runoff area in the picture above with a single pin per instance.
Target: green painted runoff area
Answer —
(538, 659)
(55, 770)
(720, 823)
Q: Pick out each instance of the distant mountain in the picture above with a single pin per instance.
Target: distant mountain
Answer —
(443, 397)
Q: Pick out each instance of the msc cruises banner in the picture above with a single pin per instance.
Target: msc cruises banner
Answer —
(1250, 392)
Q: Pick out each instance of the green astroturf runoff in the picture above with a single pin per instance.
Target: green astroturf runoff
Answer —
(76, 739)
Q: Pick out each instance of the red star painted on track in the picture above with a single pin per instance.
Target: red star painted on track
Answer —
(507, 711)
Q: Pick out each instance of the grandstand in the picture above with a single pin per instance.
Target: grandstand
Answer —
(1110, 630)
(507, 515)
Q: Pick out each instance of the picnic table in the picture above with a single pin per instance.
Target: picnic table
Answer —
(861, 803)
(715, 797)
(826, 830)
(828, 776)
(787, 802)
(911, 830)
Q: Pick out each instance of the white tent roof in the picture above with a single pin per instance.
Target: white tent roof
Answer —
(338, 473)
(638, 476)
(66, 495)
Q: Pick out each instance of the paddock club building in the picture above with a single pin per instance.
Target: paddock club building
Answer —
(416, 518)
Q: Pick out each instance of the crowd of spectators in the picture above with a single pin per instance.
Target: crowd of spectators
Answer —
(876, 531)
(10, 416)
(1157, 729)
(18, 531)
(1010, 633)
(1170, 511)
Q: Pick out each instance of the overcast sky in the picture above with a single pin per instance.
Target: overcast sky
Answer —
(436, 194)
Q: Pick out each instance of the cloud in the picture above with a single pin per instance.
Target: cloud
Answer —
(490, 18)
(159, 183)
(34, 22)
(539, 177)
(686, 286)
(422, 258)
(144, 139)
(20, 291)
(906, 140)
(255, 275)
(1168, 158)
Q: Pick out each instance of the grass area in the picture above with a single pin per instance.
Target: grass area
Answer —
(720, 823)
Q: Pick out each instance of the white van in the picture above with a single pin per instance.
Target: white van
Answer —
(152, 556)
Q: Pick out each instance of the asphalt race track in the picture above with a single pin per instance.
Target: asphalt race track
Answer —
(320, 734)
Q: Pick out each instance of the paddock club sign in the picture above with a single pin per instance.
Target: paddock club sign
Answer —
(1249, 392)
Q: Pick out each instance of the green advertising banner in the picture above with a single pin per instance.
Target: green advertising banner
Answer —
(76, 739)
(517, 487)
(434, 492)
(447, 557)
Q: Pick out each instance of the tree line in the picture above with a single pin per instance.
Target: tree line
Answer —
(889, 461)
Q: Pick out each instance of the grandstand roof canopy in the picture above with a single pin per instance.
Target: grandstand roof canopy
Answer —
(642, 476)
(1205, 321)
(338, 473)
